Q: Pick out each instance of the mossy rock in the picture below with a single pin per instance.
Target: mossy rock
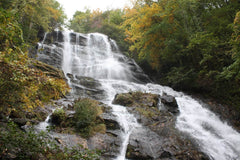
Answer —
(123, 99)
(136, 99)
(48, 69)
(58, 116)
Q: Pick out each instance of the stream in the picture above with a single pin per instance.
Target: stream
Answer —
(95, 55)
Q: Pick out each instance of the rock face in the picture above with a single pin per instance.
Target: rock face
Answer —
(86, 86)
(170, 103)
(37, 115)
(50, 51)
(48, 69)
(65, 133)
(158, 138)
(136, 99)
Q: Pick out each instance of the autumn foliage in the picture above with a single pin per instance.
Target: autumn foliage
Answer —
(189, 44)
(22, 85)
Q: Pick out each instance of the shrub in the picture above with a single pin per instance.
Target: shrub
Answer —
(87, 111)
(58, 116)
(16, 144)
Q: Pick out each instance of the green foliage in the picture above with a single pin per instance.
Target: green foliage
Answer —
(81, 21)
(107, 22)
(58, 116)
(148, 112)
(86, 116)
(35, 15)
(191, 44)
(22, 87)
(16, 144)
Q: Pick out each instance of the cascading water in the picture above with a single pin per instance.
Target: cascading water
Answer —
(94, 55)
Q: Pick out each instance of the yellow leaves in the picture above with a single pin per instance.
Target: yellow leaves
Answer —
(139, 19)
(54, 13)
(147, 28)
(96, 12)
(27, 88)
(237, 19)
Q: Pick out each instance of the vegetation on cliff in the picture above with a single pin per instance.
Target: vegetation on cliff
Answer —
(27, 84)
(17, 144)
(85, 119)
(23, 83)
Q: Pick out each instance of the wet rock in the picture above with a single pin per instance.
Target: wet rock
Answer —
(137, 72)
(136, 99)
(110, 121)
(40, 113)
(165, 154)
(55, 36)
(83, 86)
(107, 143)
(123, 99)
(144, 144)
(170, 103)
(78, 39)
(69, 75)
(88, 82)
(23, 117)
(49, 54)
(111, 124)
(157, 138)
(134, 154)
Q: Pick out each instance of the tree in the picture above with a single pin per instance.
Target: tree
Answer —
(22, 85)
(36, 15)
(81, 21)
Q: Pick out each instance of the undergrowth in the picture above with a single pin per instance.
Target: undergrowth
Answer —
(17, 144)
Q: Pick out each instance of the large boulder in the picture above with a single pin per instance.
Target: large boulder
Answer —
(157, 138)
(107, 140)
(86, 86)
(136, 99)
(110, 121)
(107, 143)
(170, 103)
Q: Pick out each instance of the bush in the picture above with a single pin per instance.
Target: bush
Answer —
(87, 111)
(16, 144)
(58, 116)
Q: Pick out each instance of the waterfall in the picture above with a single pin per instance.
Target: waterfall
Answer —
(67, 54)
(217, 138)
(95, 55)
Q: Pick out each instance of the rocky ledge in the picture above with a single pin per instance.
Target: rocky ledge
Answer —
(157, 138)
(69, 130)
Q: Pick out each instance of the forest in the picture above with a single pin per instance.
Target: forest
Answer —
(189, 45)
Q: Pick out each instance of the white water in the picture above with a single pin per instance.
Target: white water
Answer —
(67, 54)
(99, 61)
(42, 126)
(216, 138)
